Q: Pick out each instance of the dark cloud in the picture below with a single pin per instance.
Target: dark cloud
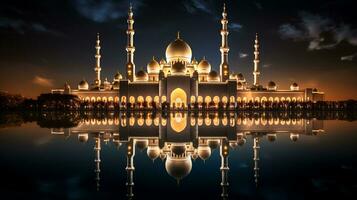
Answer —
(258, 5)
(320, 32)
(348, 57)
(243, 55)
(43, 81)
(104, 10)
(194, 6)
(21, 26)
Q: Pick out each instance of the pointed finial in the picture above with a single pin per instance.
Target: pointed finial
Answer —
(224, 7)
(130, 7)
(178, 34)
(98, 36)
(204, 57)
(256, 37)
(153, 57)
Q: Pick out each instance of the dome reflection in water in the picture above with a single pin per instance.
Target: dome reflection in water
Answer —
(179, 139)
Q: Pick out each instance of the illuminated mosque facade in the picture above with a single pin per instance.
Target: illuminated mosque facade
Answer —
(181, 81)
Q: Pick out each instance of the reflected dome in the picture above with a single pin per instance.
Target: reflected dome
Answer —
(83, 137)
(153, 152)
(178, 167)
(204, 152)
(213, 144)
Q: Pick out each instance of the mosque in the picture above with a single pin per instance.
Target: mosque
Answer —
(181, 81)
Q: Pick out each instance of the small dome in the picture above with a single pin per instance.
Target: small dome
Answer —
(83, 137)
(153, 152)
(141, 76)
(315, 90)
(194, 156)
(271, 137)
(213, 144)
(178, 68)
(241, 141)
(178, 167)
(116, 85)
(233, 76)
(204, 152)
(153, 67)
(294, 137)
(239, 85)
(178, 50)
(83, 85)
(194, 61)
(233, 145)
(162, 61)
(294, 86)
(118, 76)
(240, 77)
(204, 66)
(271, 85)
(213, 76)
(142, 144)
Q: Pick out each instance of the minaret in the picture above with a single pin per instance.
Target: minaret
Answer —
(256, 72)
(97, 160)
(224, 151)
(256, 149)
(130, 168)
(130, 49)
(97, 68)
(224, 67)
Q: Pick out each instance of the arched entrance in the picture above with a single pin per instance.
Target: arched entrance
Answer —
(178, 98)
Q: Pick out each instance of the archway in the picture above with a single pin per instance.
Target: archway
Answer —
(178, 98)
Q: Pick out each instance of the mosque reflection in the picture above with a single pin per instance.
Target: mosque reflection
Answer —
(178, 138)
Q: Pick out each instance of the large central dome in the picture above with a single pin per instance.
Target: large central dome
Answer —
(178, 50)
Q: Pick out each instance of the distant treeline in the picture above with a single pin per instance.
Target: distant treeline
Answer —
(68, 102)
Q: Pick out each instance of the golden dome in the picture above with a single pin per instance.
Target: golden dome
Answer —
(141, 76)
(204, 66)
(118, 76)
(178, 150)
(271, 85)
(178, 68)
(213, 76)
(178, 50)
(83, 85)
(178, 167)
(153, 67)
(294, 86)
(204, 152)
(153, 152)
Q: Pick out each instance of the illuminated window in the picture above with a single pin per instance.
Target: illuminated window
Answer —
(148, 99)
(216, 99)
(116, 99)
(224, 99)
(132, 99)
(193, 99)
(140, 99)
(199, 99)
(208, 99)
(231, 99)
(163, 98)
(110, 99)
(99, 99)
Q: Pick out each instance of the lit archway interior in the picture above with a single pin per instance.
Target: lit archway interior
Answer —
(178, 122)
(178, 97)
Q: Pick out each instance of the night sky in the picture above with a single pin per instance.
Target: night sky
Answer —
(44, 44)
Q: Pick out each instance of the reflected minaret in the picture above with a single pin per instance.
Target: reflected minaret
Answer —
(130, 49)
(97, 161)
(130, 168)
(97, 68)
(224, 67)
(256, 71)
(256, 148)
(224, 151)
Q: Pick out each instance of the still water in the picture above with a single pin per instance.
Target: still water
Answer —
(177, 156)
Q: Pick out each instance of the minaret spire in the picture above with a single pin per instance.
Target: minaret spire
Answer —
(97, 68)
(224, 152)
(97, 149)
(130, 49)
(256, 72)
(256, 148)
(224, 67)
